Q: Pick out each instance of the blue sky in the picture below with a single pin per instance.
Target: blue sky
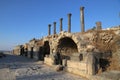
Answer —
(22, 20)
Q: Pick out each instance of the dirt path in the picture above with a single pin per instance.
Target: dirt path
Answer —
(21, 68)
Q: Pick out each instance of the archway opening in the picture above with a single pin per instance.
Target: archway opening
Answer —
(67, 46)
(46, 48)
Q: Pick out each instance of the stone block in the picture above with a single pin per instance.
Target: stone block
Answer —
(48, 61)
(79, 68)
(64, 62)
(77, 65)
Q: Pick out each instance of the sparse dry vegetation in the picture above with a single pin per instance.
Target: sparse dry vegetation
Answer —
(104, 41)
(108, 43)
(115, 60)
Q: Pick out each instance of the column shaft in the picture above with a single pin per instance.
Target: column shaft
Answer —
(98, 26)
(61, 24)
(49, 29)
(54, 27)
(82, 19)
(69, 22)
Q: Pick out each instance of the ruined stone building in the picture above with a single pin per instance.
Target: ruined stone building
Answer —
(83, 53)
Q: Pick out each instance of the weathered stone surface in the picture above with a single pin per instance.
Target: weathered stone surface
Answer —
(64, 62)
(16, 50)
(91, 45)
(79, 68)
(6, 74)
(48, 61)
(59, 68)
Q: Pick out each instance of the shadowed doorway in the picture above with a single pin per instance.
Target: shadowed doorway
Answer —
(67, 46)
(44, 50)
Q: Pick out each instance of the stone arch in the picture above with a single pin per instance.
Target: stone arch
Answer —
(67, 46)
(75, 37)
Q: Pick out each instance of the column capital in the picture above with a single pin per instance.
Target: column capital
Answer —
(54, 22)
(69, 14)
(49, 25)
(82, 8)
(61, 19)
(98, 23)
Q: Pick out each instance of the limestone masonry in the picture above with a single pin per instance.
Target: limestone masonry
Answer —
(84, 53)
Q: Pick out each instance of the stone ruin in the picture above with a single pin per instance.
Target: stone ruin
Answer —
(82, 53)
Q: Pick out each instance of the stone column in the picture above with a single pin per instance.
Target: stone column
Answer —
(82, 19)
(61, 24)
(54, 27)
(49, 29)
(69, 22)
(98, 26)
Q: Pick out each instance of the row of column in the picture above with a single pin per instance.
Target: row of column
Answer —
(61, 27)
(98, 24)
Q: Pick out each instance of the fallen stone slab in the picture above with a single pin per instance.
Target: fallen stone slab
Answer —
(6, 74)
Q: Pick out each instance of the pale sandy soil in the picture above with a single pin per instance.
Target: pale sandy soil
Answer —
(22, 68)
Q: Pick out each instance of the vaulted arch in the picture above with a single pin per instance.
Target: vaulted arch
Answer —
(67, 46)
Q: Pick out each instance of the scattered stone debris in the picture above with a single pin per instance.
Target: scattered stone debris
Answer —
(59, 68)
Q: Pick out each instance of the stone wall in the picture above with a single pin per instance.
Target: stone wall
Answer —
(79, 68)
(48, 61)
(16, 50)
(89, 45)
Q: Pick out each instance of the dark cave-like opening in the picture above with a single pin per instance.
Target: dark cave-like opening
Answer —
(46, 48)
(67, 46)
